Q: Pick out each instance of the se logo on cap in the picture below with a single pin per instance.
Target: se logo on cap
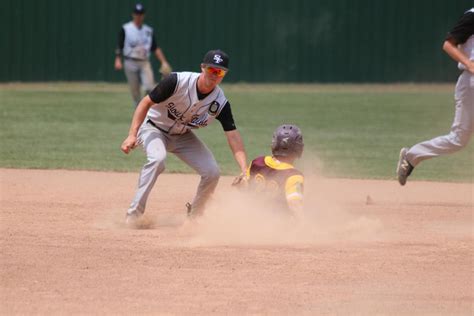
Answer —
(218, 59)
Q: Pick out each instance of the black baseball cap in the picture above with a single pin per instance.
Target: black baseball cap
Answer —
(216, 58)
(138, 8)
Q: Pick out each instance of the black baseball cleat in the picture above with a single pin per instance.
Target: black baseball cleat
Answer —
(132, 218)
(193, 212)
(189, 209)
(404, 168)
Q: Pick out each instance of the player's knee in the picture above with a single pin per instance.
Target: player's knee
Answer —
(460, 138)
(157, 159)
(156, 167)
(161, 167)
(212, 174)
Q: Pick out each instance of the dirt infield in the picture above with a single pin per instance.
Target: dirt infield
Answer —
(366, 247)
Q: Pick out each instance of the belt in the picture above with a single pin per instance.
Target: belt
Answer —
(134, 59)
(154, 125)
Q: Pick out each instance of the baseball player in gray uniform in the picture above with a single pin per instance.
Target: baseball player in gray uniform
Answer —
(459, 44)
(163, 122)
(135, 43)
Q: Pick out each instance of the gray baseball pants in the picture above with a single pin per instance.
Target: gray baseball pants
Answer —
(461, 130)
(139, 73)
(189, 148)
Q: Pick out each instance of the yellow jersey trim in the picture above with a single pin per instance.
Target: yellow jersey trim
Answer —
(277, 164)
(291, 187)
(247, 174)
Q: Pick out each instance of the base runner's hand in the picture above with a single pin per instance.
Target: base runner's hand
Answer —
(129, 143)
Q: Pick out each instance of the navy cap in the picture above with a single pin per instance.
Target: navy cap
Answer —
(216, 58)
(138, 8)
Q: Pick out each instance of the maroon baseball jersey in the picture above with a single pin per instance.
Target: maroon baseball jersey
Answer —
(278, 180)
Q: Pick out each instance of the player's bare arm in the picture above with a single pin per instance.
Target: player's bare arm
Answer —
(118, 63)
(138, 117)
(237, 146)
(451, 48)
(165, 66)
(119, 50)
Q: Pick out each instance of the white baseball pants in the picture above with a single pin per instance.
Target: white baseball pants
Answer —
(461, 129)
(189, 148)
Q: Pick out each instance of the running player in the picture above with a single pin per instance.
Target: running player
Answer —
(459, 45)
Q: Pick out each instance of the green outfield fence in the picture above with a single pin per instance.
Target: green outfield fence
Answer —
(267, 40)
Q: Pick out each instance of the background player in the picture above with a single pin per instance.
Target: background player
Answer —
(275, 175)
(180, 102)
(459, 44)
(136, 41)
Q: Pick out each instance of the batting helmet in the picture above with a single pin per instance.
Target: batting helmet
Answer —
(287, 141)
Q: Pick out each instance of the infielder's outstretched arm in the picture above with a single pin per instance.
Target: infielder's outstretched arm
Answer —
(237, 146)
(138, 117)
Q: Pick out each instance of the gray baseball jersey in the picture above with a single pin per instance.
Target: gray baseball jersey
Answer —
(183, 110)
(178, 109)
(138, 41)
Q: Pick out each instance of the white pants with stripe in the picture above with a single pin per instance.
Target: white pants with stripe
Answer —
(461, 129)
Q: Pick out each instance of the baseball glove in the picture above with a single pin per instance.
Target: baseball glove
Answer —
(165, 69)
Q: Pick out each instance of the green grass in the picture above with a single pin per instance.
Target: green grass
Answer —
(355, 130)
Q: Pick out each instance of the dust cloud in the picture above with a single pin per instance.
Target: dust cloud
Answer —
(239, 217)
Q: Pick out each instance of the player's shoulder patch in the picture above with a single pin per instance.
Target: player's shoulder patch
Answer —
(214, 108)
(218, 103)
